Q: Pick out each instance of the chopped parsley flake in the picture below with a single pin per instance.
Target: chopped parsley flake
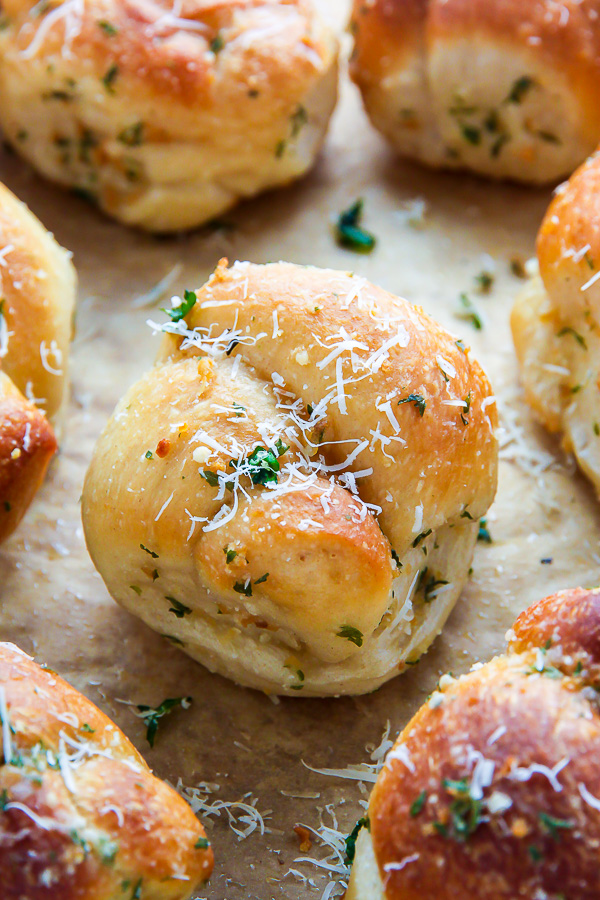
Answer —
(262, 578)
(554, 826)
(178, 608)
(471, 134)
(152, 716)
(132, 136)
(243, 587)
(396, 558)
(230, 555)
(351, 634)
(149, 454)
(351, 839)
(109, 78)
(421, 537)
(484, 282)
(469, 312)
(519, 89)
(180, 312)
(202, 844)
(136, 589)
(466, 409)
(262, 466)
(418, 400)
(108, 28)
(578, 337)
(349, 232)
(217, 43)
(417, 805)
(149, 552)
(483, 533)
(465, 812)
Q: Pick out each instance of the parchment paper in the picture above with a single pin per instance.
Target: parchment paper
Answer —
(54, 605)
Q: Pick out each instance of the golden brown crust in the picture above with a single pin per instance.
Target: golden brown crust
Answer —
(568, 243)
(82, 813)
(489, 791)
(27, 444)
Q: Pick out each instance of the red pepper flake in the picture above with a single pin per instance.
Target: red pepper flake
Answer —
(162, 448)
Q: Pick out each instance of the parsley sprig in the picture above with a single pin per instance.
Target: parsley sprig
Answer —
(152, 716)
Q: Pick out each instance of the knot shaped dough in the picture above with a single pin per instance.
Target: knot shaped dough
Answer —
(556, 320)
(506, 88)
(82, 814)
(492, 790)
(37, 298)
(304, 467)
(167, 113)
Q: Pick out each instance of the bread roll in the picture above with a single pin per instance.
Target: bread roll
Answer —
(167, 112)
(82, 815)
(27, 444)
(37, 298)
(292, 493)
(556, 320)
(505, 88)
(492, 790)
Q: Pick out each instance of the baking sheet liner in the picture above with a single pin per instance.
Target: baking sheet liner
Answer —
(435, 232)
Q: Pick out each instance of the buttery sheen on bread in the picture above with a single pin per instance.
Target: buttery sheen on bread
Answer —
(292, 494)
(167, 112)
(82, 814)
(556, 320)
(506, 88)
(37, 298)
(492, 790)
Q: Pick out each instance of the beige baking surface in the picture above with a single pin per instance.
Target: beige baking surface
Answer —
(54, 605)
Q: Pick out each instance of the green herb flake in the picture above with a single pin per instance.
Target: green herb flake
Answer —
(351, 839)
(133, 135)
(351, 634)
(519, 89)
(262, 466)
(87, 728)
(554, 826)
(549, 137)
(262, 578)
(469, 312)
(230, 555)
(418, 400)
(202, 844)
(298, 119)
(575, 334)
(109, 78)
(149, 552)
(535, 854)
(211, 477)
(136, 589)
(149, 455)
(418, 805)
(396, 558)
(177, 608)
(483, 534)
(107, 27)
(421, 537)
(484, 282)
(471, 134)
(217, 43)
(243, 587)
(180, 312)
(152, 716)
(349, 232)
(466, 409)
(465, 812)
(137, 891)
